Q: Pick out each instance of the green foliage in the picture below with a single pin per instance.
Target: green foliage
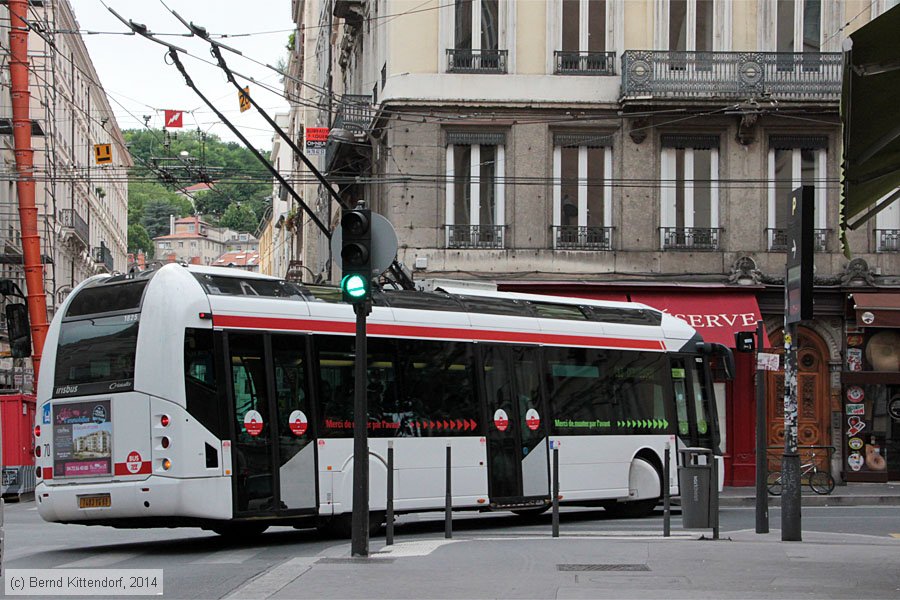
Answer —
(139, 239)
(239, 217)
(238, 178)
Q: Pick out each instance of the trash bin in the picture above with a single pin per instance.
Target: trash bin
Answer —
(694, 480)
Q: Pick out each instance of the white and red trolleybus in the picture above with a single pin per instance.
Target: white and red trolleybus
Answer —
(201, 396)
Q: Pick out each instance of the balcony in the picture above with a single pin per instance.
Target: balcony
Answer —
(72, 221)
(476, 236)
(804, 76)
(778, 240)
(572, 237)
(464, 60)
(584, 63)
(103, 255)
(350, 128)
(690, 238)
(888, 240)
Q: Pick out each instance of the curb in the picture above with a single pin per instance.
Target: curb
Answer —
(814, 500)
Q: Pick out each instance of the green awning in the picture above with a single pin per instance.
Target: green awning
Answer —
(871, 120)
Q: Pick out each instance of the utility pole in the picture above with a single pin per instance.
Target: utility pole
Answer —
(762, 498)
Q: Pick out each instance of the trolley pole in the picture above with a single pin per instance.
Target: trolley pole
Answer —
(762, 498)
(359, 543)
(790, 460)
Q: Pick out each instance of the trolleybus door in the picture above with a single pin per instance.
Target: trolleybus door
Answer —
(274, 459)
(694, 402)
(517, 453)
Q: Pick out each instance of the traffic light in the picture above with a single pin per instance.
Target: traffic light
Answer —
(356, 255)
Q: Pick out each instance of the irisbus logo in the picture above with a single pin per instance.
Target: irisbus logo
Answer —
(67, 389)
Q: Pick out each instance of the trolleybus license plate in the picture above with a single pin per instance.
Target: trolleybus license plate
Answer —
(98, 501)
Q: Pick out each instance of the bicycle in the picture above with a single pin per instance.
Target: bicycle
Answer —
(821, 482)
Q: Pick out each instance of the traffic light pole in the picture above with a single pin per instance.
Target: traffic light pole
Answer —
(359, 543)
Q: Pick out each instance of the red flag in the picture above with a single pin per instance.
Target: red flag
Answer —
(173, 118)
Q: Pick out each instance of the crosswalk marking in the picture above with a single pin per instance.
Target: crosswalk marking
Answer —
(269, 582)
(228, 557)
(99, 560)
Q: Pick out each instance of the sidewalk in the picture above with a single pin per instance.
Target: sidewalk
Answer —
(747, 565)
(851, 494)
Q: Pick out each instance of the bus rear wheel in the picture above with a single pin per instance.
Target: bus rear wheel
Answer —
(239, 531)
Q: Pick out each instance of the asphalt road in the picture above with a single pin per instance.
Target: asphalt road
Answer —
(200, 564)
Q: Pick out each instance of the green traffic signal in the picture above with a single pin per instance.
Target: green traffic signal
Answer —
(354, 288)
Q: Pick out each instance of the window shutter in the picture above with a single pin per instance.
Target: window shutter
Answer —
(696, 141)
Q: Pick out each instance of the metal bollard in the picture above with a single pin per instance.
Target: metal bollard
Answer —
(714, 497)
(448, 503)
(667, 505)
(555, 490)
(389, 509)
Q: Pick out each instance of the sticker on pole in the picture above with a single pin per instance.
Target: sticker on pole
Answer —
(253, 423)
(532, 419)
(501, 420)
(133, 462)
(297, 423)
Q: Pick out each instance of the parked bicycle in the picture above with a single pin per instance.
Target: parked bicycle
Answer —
(821, 482)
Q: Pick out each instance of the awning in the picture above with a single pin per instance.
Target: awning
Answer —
(715, 316)
(877, 310)
(871, 165)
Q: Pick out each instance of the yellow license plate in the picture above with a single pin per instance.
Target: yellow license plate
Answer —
(99, 501)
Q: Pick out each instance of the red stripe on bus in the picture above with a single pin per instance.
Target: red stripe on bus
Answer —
(48, 472)
(418, 331)
(122, 469)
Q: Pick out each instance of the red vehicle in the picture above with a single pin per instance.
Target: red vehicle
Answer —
(18, 444)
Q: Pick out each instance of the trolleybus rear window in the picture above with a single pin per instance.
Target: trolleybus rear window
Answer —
(107, 299)
(96, 355)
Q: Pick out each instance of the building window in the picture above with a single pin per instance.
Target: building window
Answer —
(690, 193)
(582, 192)
(691, 25)
(795, 161)
(476, 38)
(475, 192)
(887, 227)
(798, 26)
(191, 228)
(581, 48)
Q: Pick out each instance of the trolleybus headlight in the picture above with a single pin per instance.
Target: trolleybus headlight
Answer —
(164, 420)
(166, 464)
(164, 442)
(37, 431)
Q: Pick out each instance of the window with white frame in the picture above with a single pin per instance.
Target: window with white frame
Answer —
(476, 36)
(798, 25)
(582, 38)
(475, 190)
(795, 161)
(887, 225)
(582, 191)
(691, 25)
(689, 194)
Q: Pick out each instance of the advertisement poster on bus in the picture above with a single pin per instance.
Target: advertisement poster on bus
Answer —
(82, 439)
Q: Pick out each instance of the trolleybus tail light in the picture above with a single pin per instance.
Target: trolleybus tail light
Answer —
(37, 431)
(205, 315)
(37, 450)
(164, 442)
(164, 420)
(166, 464)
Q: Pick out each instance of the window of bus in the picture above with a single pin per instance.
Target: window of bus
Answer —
(679, 382)
(201, 380)
(701, 399)
(93, 353)
(595, 392)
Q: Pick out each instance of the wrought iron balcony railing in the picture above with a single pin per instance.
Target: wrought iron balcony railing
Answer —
(464, 60)
(573, 237)
(690, 238)
(70, 219)
(103, 255)
(888, 240)
(476, 236)
(354, 114)
(585, 63)
(736, 75)
(778, 240)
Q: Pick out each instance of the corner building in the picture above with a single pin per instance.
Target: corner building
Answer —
(639, 150)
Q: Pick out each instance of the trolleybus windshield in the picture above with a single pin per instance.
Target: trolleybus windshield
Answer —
(96, 355)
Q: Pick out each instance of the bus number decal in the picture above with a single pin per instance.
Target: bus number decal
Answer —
(253, 423)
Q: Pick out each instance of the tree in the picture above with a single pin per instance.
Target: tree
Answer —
(138, 239)
(239, 217)
(156, 215)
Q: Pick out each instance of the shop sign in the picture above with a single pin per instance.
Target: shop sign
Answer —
(854, 359)
(854, 339)
(894, 408)
(855, 461)
(855, 425)
(856, 409)
(868, 318)
(855, 443)
(855, 393)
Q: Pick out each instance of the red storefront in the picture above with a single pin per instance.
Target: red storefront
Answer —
(716, 312)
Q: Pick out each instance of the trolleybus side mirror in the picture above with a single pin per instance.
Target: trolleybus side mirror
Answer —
(722, 352)
(19, 330)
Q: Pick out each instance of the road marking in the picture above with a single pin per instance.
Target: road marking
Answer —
(99, 560)
(269, 582)
(228, 557)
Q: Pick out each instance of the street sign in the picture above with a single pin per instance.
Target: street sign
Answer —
(103, 154)
(798, 296)
(244, 99)
(383, 246)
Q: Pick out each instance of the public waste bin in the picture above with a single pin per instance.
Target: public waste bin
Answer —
(694, 481)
